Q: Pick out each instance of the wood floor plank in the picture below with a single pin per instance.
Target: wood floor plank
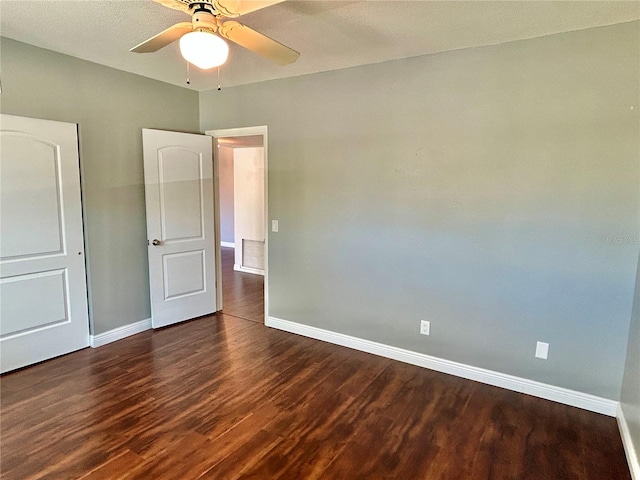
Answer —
(118, 467)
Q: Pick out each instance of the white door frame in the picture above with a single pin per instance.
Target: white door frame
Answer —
(241, 132)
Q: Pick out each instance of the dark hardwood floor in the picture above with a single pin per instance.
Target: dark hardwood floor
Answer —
(221, 397)
(242, 293)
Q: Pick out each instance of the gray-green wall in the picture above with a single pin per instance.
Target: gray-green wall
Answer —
(111, 107)
(491, 191)
(630, 398)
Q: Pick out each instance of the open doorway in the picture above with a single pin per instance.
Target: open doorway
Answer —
(241, 224)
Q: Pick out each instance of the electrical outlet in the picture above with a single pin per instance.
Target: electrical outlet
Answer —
(542, 350)
(425, 326)
(274, 225)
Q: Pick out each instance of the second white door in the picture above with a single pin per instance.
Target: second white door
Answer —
(178, 174)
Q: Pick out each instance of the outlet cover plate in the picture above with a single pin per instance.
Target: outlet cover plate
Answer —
(425, 326)
(542, 350)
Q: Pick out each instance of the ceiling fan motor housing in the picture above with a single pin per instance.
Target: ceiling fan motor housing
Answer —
(203, 19)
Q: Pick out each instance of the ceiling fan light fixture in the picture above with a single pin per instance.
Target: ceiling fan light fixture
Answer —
(204, 49)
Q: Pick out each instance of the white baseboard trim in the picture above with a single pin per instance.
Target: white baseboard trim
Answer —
(509, 382)
(120, 333)
(255, 271)
(629, 447)
(228, 244)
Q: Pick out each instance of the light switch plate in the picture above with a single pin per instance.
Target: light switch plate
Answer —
(274, 225)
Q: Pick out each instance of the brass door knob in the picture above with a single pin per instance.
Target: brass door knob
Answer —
(156, 242)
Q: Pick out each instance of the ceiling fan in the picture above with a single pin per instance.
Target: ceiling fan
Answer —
(200, 42)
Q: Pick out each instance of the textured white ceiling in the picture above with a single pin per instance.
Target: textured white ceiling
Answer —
(329, 34)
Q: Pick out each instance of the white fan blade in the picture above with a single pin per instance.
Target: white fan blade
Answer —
(258, 43)
(175, 4)
(164, 38)
(235, 8)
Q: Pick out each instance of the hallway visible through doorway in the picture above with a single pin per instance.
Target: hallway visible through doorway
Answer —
(243, 293)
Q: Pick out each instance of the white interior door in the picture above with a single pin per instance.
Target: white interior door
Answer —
(178, 177)
(43, 292)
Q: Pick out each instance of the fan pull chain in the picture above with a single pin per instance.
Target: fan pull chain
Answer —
(188, 79)
(219, 87)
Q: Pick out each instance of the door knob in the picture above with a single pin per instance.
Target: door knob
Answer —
(156, 242)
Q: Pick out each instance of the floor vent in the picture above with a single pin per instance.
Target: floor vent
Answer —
(252, 254)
